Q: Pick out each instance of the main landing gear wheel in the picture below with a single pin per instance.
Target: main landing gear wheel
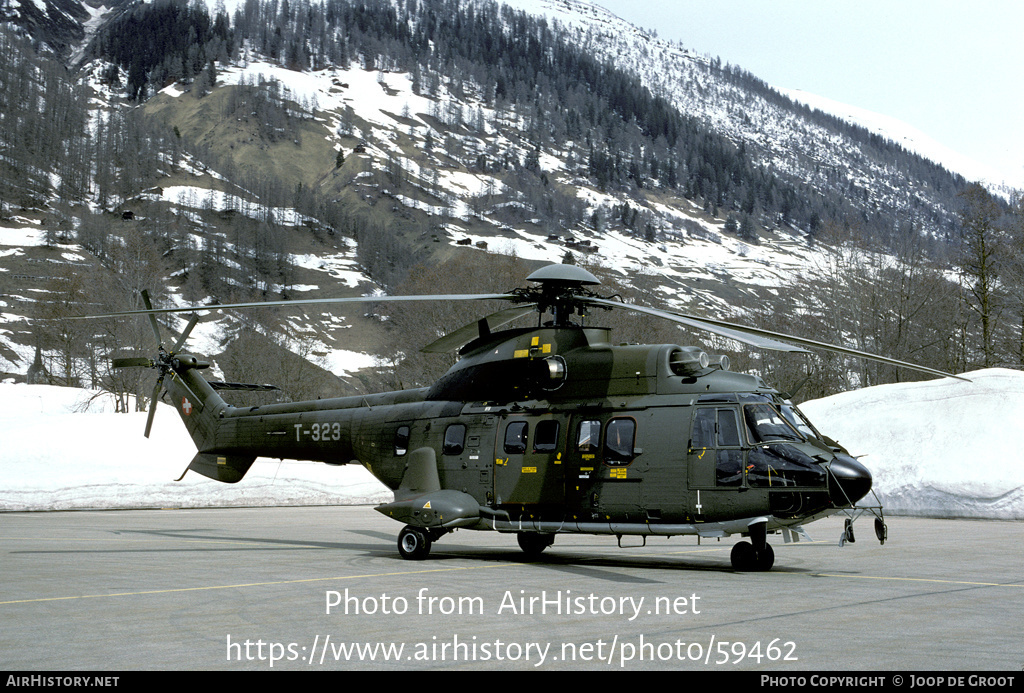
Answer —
(746, 558)
(533, 543)
(413, 543)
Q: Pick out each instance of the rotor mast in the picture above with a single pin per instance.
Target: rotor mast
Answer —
(561, 292)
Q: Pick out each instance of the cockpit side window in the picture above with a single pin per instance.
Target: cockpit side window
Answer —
(703, 429)
(767, 425)
(715, 428)
(728, 429)
(716, 441)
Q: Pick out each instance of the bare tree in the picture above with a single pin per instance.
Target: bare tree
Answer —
(416, 325)
(255, 355)
(63, 338)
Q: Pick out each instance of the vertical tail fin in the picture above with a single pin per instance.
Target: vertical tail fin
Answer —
(196, 402)
(200, 407)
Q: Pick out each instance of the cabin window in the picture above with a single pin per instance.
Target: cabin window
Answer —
(618, 441)
(589, 438)
(545, 437)
(515, 438)
(401, 441)
(454, 440)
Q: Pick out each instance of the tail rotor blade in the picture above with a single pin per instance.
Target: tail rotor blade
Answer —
(152, 404)
(132, 363)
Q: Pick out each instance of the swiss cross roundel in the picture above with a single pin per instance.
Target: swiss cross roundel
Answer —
(186, 406)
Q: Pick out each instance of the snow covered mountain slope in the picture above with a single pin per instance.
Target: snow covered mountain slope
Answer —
(911, 139)
(428, 162)
(59, 23)
(776, 127)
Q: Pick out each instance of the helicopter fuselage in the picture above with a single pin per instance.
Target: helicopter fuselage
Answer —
(552, 430)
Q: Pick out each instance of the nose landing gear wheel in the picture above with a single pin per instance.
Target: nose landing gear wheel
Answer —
(413, 543)
(847, 537)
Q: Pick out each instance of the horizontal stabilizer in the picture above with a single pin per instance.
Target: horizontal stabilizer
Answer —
(447, 508)
(228, 469)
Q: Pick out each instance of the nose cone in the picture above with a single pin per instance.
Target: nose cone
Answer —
(848, 481)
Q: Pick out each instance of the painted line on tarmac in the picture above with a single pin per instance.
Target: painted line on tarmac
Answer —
(912, 579)
(248, 584)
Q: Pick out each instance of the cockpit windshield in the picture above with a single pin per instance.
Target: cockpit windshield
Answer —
(766, 425)
(799, 421)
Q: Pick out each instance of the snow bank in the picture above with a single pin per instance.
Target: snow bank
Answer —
(940, 448)
(54, 457)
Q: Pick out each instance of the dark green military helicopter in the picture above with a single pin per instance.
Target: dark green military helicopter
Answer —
(551, 429)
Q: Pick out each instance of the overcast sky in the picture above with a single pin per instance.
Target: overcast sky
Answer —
(953, 70)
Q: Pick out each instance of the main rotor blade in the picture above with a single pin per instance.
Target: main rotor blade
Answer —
(736, 332)
(480, 328)
(754, 335)
(184, 335)
(307, 302)
(846, 351)
(152, 318)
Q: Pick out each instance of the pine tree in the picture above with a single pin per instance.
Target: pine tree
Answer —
(979, 253)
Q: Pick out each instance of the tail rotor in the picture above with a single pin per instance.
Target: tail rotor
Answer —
(164, 362)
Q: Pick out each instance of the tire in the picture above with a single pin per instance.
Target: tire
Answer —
(742, 556)
(765, 559)
(746, 559)
(534, 543)
(413, 543)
